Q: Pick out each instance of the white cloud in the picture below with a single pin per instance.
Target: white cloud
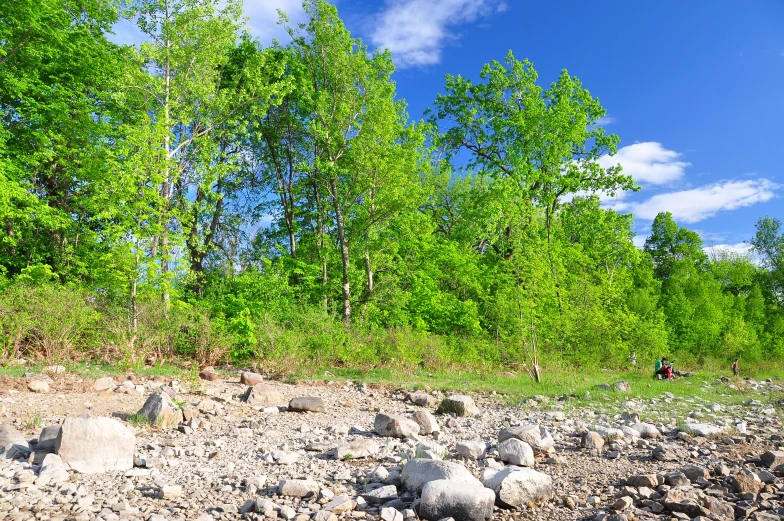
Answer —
(606, 120)
(647, 162)
(639, 240)
(715, 250)
(415, 31)
(263, 17)
(691, 206)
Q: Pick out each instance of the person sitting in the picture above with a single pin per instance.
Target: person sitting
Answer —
(663, 369)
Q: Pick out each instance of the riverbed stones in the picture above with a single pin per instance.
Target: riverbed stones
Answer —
(773, 458)
(93, 445)
(516, 452)
(307, 404)
(646, 430)
(471, 450)
(518, 486)
(417, 472)
(442, 498)
(422, 399)
(105, 383)
(458, 404)
(160, 410)
(357, 449)
(395, 426)
(592, 440)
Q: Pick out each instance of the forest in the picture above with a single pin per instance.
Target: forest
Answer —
(204, 197)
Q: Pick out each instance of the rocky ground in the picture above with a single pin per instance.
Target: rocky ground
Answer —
(159, 450)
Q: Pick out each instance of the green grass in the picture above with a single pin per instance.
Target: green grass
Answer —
(33, 422)
(138, 420)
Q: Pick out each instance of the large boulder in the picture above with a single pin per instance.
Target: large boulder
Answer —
(395, 426)
(458, 404)
(92, 445)
(518, 486)
(307, 404)
(540, 440)
(12, 443)
(417, 472)
(160, 410)
(516, 452)
(462, 502)
(262, 394)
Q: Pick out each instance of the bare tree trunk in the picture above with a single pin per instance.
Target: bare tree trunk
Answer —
(368, 273)
(343, 243)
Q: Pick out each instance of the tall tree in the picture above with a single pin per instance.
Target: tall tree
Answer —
(669, 243)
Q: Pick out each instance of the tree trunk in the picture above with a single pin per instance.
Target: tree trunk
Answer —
(343, 243)
(368, 274)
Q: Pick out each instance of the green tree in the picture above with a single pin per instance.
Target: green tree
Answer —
(669, 243)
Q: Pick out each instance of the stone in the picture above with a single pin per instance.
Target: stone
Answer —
(471, 450)
(426, 421)
(261, 394)
(52, 471)
(516, 452)
(54, 369)
(705, 430)
(48, 438)
(537, 437)
(677, 501)
(381, 495)
(458, 404)
(12, 443)
(390, 514)
(593, 441)
(324, 515)
(340, 504)
(104, 384)
(422, 399)
(646, 430)
(38, 386)
(160, 410)
(668, 453)
(362, 448)
(417, 472)
(676, 479)
(307, 404)
(644, 480)
(443, 498)
(250, 379)
(298, 488)
(773, 458)
(518, 486)
(745, 484)
(623, 387)
(395, 426)
(93, 445)
(623, 503)
(210, 376)
(171, 492)
(720, 510)
(694, 472)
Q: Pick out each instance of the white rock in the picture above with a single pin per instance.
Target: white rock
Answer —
(94, 445)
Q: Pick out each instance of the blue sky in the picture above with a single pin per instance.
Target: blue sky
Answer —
(695, 90)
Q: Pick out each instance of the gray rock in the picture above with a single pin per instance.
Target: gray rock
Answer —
(703, 429)
(262, 394)
(459, 404)
(308, 404)
(773, 458)
(694, 472)
(380, 495)
(160, 410)
(644, 480)
(422, 399)
(52, 471)
(516, 452)
(390, 514)
(471, 450)
(537, 437)
(417, 472)
(48, 438)
(426, 421)
(395, 426)
(624, 387)
(463, 502)
(362, 448)
(12, 443)
(104, 384)
(646, 430)
(517, 486)
(298, 487)
(92, 445)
